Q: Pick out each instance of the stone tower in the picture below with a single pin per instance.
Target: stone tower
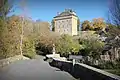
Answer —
(66, 22)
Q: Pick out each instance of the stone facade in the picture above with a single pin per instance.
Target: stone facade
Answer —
(66, 23)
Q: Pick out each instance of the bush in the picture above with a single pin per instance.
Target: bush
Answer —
(29, 47)
(92, 46)
(109, 65)
(29, 55)
(66, 44)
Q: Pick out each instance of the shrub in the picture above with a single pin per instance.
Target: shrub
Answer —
(29, 47)
(66, 44)
(91, 45)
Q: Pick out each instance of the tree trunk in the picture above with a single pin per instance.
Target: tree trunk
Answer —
(21, 41)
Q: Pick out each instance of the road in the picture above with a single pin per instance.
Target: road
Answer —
(35, 69)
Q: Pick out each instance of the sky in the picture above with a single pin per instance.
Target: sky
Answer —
(45, 10)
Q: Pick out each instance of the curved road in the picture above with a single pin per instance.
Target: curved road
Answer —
(35, 69)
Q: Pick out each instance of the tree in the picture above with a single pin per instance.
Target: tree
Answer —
(112, 40)
(53, 25)
(114, 25)
(46, 37)
(114, 10)
(29, 46)
(33, 32)
(10, 37)
(66, 44)
(22, 5)
(86, 25)
(112, 30)
(78, 24)
(5, 8)
(98, 24)
(91, 45)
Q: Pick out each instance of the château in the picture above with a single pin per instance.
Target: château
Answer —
(66, 22)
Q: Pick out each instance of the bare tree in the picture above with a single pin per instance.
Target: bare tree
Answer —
(114, 9)
(23, 7)
(5, 8)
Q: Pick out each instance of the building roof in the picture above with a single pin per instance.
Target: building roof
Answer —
(67, 12)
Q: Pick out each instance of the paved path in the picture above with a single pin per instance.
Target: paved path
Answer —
(36, 69)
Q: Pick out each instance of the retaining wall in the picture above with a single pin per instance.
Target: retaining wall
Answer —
(9, 60)
(83, 71)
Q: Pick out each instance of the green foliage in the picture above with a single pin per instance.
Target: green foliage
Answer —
(86, 25)
(46, 38)
(113, 33)
(110, 65)
(78, 24)
(92, 46)
(114, 71)
(113, 30)
(8, 37)
(29, 47)
(33, 33)
(96, 24)
(5, 7)
(53, 25)
(66, 44)
(33, 38)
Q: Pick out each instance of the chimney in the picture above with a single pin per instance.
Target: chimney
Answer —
(66, 10)
(58, 13)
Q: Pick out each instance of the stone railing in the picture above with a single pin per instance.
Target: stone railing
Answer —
(83, 71)
(9, 60)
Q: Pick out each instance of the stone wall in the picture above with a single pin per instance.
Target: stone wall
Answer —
(9, 60)
(83, 71)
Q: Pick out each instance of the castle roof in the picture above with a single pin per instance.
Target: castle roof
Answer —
(67, 12)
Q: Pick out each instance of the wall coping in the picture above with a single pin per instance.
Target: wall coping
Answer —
(94, 69)
(9, 60)
(100, 71)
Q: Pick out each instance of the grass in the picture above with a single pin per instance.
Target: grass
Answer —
(30, 55)
(113, 71)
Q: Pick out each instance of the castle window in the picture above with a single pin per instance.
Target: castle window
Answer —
(67, 30)
(59, 22)
(58, 30)
(64, 30)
